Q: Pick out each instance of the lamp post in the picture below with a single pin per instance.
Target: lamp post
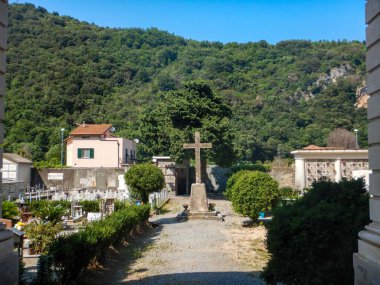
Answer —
(62, 131)
(356, 138)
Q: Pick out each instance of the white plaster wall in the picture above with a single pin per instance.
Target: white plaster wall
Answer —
(105, 153)
(69, 154)
(108, 152)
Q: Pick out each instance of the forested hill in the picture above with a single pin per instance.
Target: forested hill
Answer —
(62, 71)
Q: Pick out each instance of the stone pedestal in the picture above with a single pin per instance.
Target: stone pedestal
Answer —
(367, 260)
(8, 258)
(198, 198)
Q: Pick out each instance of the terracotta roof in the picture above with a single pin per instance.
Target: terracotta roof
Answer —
(315, 147)
(89, 129)
(16, 158)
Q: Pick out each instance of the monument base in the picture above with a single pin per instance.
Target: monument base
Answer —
(366, 261)
(198, 198)
(8, 258)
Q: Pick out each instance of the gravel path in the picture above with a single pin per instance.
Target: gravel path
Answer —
(192, 252)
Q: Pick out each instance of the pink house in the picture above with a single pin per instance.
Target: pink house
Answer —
(96, 146)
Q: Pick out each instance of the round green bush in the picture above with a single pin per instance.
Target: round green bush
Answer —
(254, 192)
(312, 240)
(231, 182)
(144, 179)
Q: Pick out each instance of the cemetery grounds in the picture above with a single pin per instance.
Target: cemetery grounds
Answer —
(187, 252)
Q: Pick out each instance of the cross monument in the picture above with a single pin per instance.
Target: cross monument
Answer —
(197, 146)
(198, 198)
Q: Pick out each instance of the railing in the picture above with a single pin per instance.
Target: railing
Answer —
(158, 199)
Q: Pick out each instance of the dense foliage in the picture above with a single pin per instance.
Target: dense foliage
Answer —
(41, 235)
(250, 166)
(144, 179)
(90, 205)
(253, 192)
(9, 210)
(50, 213)
(35, 205)
(61, 72)
(92, 242)
(312, 240)
(177, 114)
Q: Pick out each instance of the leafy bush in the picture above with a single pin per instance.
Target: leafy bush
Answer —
(289, 193)
(9, 210)
(144, 179)
(250, 166)
(90, 205)
(312, 241)
(92, 241)
(231, 182)
(37, 204)
(50, 213)
(254, 192)
(41, 235)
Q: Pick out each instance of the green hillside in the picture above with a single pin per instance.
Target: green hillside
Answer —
(62, 71)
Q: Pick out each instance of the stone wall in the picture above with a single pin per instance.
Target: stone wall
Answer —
(367, 260)
(102, 178)
(283, 173)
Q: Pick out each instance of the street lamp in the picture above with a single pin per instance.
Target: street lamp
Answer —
(356, 138)
(62, 131)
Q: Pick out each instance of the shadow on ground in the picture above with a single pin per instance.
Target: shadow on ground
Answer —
(199, 278)
(118, 260)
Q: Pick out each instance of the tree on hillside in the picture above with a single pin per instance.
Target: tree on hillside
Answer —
(341, 138)
(177, 114)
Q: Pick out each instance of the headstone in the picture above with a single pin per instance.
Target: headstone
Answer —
(198, 198)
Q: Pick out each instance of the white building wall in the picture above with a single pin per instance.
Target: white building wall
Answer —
(367, 260)
(108, 152)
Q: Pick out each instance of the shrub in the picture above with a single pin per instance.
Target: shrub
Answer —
(41, 235)
(144, 179)
(50, 213)
(312, 241)
(9, 210)
(92, 241)
(37, 204)
(231, 182)
(90, 205)
(249, 166)
(254, 192)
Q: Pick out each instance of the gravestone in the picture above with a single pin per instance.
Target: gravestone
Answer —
(198, 198)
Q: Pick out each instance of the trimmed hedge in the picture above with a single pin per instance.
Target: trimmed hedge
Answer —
(254, 192)
(312, 240)
(250, 166)
(71, 254)
(144, 179)
(231, 182)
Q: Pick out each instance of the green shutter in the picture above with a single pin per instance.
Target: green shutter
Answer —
(91, 153)
(79, 153)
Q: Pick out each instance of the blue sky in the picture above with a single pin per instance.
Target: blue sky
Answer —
(224, 20)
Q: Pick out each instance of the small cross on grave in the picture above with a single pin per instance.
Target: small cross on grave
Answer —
(197, 146)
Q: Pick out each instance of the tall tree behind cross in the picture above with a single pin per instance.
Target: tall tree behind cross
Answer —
(197, 146)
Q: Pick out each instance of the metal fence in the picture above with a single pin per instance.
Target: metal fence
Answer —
(158, 199)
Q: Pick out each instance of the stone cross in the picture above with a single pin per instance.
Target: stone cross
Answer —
(197, 146)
